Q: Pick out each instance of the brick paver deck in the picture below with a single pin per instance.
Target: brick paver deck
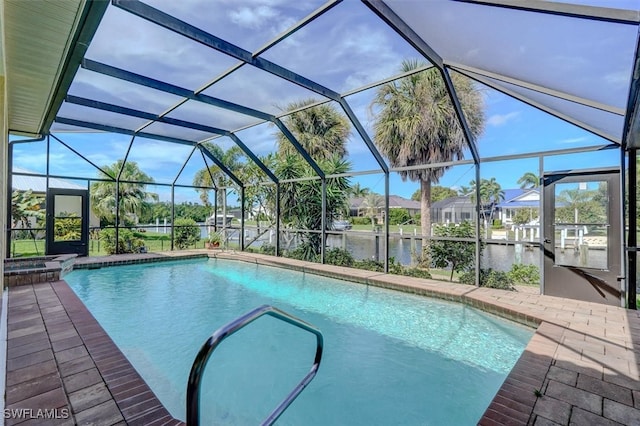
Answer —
(581, 366)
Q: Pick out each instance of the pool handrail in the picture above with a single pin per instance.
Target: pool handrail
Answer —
(199, 364)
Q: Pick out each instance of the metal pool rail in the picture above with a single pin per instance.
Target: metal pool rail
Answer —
(195, 376)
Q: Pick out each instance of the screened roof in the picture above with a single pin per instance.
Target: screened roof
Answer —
(194, 71)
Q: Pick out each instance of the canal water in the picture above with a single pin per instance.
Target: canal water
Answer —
(497, 256)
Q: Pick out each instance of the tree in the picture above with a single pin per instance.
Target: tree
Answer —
(457, 255)
(26, 213)
(525, 215)
(417, 125)
(26, 209)
(371, 206)
(187, 233)
(529, 180)
(301, 202)
(321, 130)
(491, 193)
(231, 158)
(465, 190)
(357, 191)
(133, 199)
(438, 193)
(581, 206)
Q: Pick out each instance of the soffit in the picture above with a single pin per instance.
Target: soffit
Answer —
(38, 36)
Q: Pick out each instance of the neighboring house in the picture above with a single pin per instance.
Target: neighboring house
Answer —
(516, 199)
(38, 186)
(357, 206)
(461, 208)
(452, 210)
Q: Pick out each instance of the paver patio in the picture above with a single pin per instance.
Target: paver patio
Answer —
(581, 366)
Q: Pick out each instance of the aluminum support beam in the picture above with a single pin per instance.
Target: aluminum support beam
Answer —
(82, 156)
(478, 229)
(405, 31)
(323, 222)
(365, 136)
(385, 13)
(242, 210)
(167, 21)
(632, 239)
(9, 201)
(277, 219)
(172, 23)
(142, 80)
(184, 165)
(117, 224)
(88, 25)
(185, 93)
(462, 120)
(303, 152)
(253, 157)
(114, 129)
(386, 223)
(173, 121)
(597, 13)
(173, 216)
(206, 163)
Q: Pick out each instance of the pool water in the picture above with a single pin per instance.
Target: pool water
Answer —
(389, 357)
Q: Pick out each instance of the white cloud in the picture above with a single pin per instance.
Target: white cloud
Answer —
(253, 18)
(573, 140)
(618, 78)
(502, 119)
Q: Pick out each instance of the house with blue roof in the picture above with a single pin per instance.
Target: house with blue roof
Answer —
(460, 208)
(517, 199)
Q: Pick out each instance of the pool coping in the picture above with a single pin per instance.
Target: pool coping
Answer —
(580, 366)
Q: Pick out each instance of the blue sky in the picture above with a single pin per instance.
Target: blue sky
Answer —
(344, 49)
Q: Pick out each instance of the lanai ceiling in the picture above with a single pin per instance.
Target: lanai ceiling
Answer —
(199, 70)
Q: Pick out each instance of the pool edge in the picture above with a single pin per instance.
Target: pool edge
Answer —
(579, 348)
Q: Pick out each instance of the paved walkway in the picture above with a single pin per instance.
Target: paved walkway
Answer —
(581, 366)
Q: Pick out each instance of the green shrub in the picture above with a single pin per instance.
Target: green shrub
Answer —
(356, 220)
(67, 228)
(398, 216)
(304, 251)
(185, 233)
(525, 274)
(339, 257)
(416, 272)
(268, 249)
(488, 278)
(459, 256)
(369, 265)
(127, 241)
(468, 277)
(497, 279)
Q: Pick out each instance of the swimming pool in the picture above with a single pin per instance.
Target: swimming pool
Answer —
(390, 357)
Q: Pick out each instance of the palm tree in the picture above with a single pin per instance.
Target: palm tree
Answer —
(417, 125)
(301, 202)
(465, 190)
(529, 180)
(494, 194)
(371, 205)
(491, 193)
(356, 191)
(132, 195)
(321, 130)
(231, 158)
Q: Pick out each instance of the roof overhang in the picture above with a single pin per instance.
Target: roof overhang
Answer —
(44, 42)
